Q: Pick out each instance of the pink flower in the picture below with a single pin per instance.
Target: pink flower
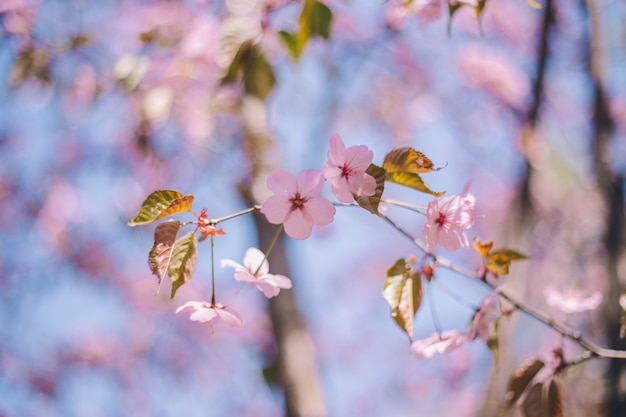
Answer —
(345, 169)
(268, 283)
(447, 219)
(480, 323)
(439, 343)
(571, 301)
(296, 203)
(204, 312)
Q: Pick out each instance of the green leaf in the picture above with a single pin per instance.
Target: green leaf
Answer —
(403, 292)
(412, 181)
(290, 41)
(183, 261)
(499, 261)
(160, 254)
(258, 79)
(318, 18)
(493, 342)
(159, 204)
(372, 202)
(520, 378)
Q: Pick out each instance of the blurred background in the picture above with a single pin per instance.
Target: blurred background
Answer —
(103, 102)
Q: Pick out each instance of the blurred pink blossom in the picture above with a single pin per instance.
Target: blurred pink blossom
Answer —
(447, 219)
(483, 317)
(255, 270)
(345, 170)
(571, 301)
(438, 343)
(203, 312)
(400, 11)
(296, 202)
(485, 68)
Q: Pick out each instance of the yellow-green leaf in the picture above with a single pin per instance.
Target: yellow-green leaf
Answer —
(290, 41)
(520, 378)
(372, 202)
(258, 79)
(160, 254)
(412, 181)
(409, 160)
(160, 204)
(403, 292)
(499, 261)
(183, 261)
(482, 248)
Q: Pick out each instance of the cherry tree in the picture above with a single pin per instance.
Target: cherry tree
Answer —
(213, 128)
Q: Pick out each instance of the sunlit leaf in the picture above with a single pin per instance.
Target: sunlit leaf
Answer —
(482, 248)
(372, 202)
(317, 18)
(535, 5)
(258, 79)
(499, 261)
(31, 62)
(408, 160)
(412, 181)
(289, 39)
(160, 204)
(403, 292)
(183, 261)
(160, 254)
(520, 378)
(533, 402)
(552, 399)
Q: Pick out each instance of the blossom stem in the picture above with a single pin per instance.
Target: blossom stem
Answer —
(232, 216)
(593, 350)
(270, 247)
(417, 209)
(433, 310)
(212, 271)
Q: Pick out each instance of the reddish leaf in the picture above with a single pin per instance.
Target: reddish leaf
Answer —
(160, 254)
(521, 377)
(403, 292)
(183, 261)
(553, 399)
(533, 402)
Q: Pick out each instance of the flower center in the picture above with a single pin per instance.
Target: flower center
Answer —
(346, 171)
(441, 220)
(297, 202)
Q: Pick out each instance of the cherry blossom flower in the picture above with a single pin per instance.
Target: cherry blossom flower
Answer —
(400, 11)
(345, 169)
(250, 272)
(296, 202)
(206, 228)
(571, 301)
(438, 343)
(480, 323)
(203, 312)
(447, 219)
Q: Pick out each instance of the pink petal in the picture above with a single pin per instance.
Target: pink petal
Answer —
(279, 281)
(245, 276)
(320, 210)
(276, 209)
(190, 304)
(203, 314)
(445, 342)
(363, 185)
(341, 190)
(233, 264)
(571, 301)
(282, 183)
(298, 225)
(310, 183)
(359, 157)
(228, 316)
(337, 150)
(253, 258)
(268, 290)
